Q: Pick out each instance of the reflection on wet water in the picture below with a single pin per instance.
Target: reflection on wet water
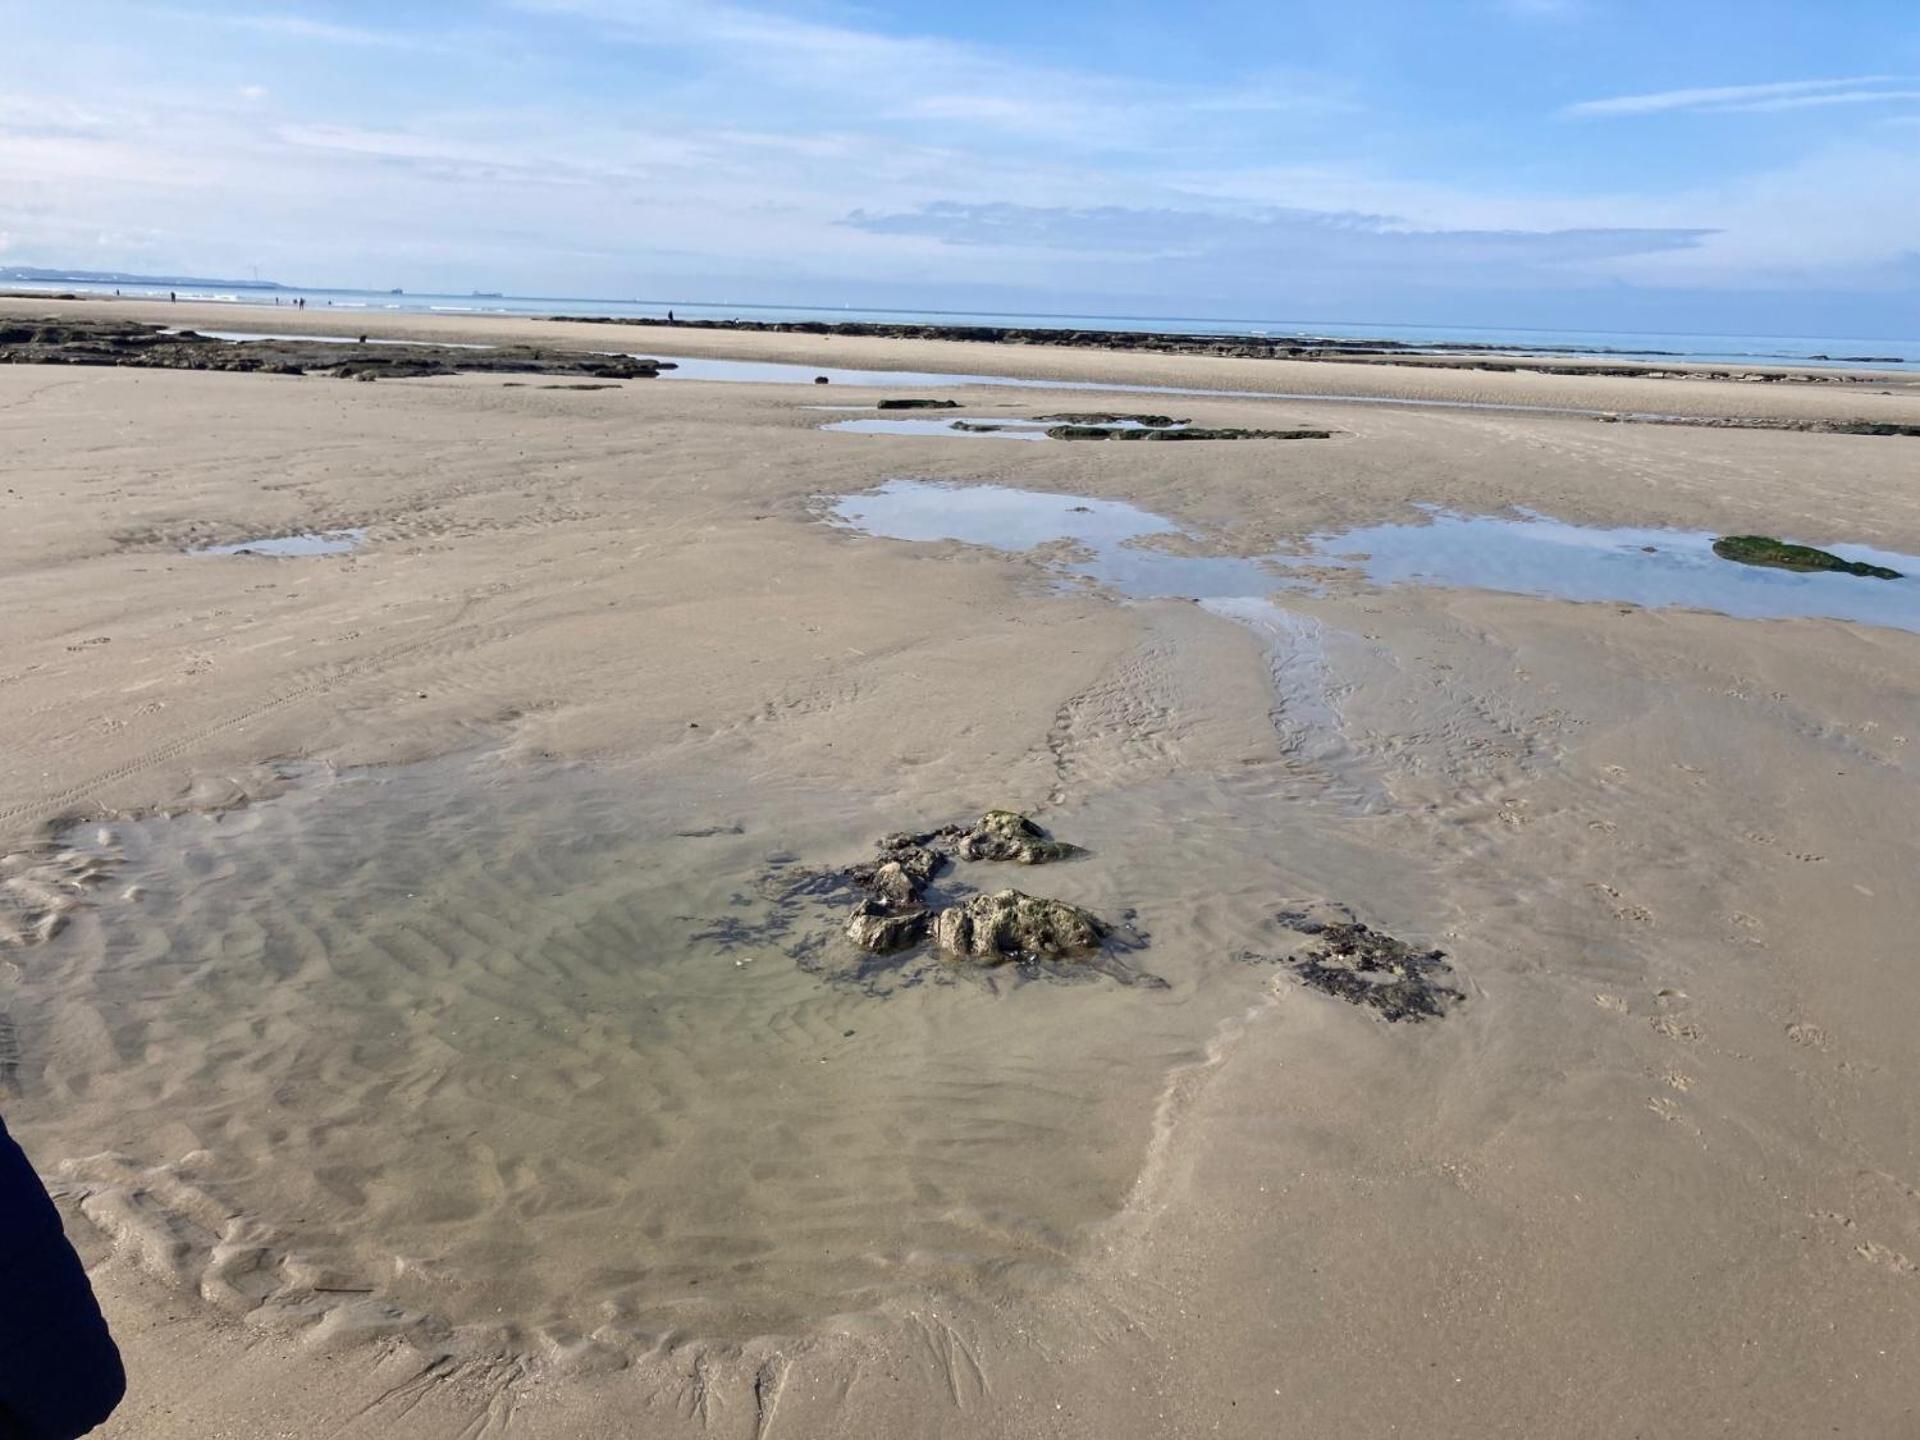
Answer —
(319, 542)
(1537, 555)
(1105, 536)
(1531, 555)
(313, 542)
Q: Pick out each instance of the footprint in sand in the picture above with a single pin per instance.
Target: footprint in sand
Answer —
(1879, 1254)
(1675, 1028)
(1622, 908)
(1811, 1036)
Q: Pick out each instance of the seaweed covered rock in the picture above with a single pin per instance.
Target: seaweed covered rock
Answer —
(917, 403)
(1009, 835)
(57, 341)
(1011, 926)
(1339, 955)
(1781, 555)
(882, 928)
(892, 912)
(1872, 427)
(1108, 417)
(1111, 432)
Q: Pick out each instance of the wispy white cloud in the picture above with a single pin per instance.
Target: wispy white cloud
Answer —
(1725, 97)
(1814, 102)
(866, 75)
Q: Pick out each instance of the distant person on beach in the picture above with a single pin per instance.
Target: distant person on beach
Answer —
(670, 319)
(173, 296)
(60, 1372)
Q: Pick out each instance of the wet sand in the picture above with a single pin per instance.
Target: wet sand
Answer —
(421, 1041)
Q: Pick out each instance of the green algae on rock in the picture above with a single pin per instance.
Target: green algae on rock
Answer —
(1781, 555)
(1012, 926)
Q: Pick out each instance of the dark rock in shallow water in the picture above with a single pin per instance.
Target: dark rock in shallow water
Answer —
(1779, 555)
(882, 929)
(892, 913)
(1009, 926)
(1108, 432)
(918, 404)
(1340, 956)
(1103, 417)
(1008, 835)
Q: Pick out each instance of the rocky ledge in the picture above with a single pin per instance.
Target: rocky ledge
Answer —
(126, 342)
(1114, 432)
(1460, 356)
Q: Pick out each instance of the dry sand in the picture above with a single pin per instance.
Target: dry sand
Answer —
(478, 1092)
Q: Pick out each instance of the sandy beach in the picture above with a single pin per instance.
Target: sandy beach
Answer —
(418, 990)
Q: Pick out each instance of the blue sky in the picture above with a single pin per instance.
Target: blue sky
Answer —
(1742, 166)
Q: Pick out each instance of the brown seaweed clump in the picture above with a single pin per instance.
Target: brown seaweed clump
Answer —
(1341, 956)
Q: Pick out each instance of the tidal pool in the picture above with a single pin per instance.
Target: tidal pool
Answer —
(312, 542)
(1538, 555)
(1529, 555)
(1105, 536)
(542, 1050)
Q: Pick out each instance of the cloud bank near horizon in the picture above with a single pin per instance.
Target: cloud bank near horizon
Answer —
(812, 153)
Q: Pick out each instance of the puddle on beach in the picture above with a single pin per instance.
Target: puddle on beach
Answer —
(1104, 535)
(1530, 555)
(1537, 555)
(320, 542)
(528, 1049)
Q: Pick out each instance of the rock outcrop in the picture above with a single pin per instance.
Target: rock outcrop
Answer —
(893, 912)
(1190, 432)
(1008, 835)
(1012, 926)
(126, 342)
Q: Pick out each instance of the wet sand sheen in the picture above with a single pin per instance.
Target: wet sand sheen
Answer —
(498, 1049)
